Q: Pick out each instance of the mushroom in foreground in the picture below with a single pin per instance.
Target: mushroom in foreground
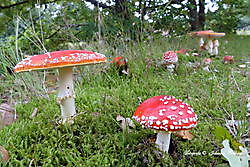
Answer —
(121, 63)
(64, 61)
(228, 59)
(165, 114)
(170, 59)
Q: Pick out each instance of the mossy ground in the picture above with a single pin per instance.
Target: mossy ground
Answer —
(96, 138)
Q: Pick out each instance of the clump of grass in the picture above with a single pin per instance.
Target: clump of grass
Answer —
(96, 138)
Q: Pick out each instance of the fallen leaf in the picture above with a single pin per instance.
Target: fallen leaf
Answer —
(185, 134)
(4, 155)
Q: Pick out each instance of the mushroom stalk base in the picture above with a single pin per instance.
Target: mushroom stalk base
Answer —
(163, 141)
(66, 94)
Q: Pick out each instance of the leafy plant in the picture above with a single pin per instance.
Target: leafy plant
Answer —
(222, 134)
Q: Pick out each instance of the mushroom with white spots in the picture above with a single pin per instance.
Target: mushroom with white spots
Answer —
(165, 118)
(64, 61)
(170, 58)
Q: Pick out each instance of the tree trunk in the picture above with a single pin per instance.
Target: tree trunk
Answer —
(201, 14)
(193, 15)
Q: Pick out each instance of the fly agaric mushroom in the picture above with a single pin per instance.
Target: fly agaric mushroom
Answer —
(207, 62)
(165, 114)
(198, 33)
(228, 59)
(212, 44)
(64, 61)
(121, 63)
(170, 58)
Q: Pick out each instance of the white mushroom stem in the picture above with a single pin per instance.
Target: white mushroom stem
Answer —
(201, 42)
(66, 94)
(163, 141)
(216, 47)
(170, 67)
(210, 46)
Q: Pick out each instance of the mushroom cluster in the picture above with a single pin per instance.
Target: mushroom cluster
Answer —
(64, 61)
(212, 45)
(165, 114)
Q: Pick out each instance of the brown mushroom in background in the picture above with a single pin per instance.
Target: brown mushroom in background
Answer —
(64, 61)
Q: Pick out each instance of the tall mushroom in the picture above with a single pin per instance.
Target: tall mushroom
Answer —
(170, 59)
(64, 61)
(213, 43)
(198, 34)
(165, 114)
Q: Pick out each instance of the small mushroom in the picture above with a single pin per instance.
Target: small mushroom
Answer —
(64, 61)
(165, 114)
(228, 59)
(206, 63)
(121, 63)
(170, 59)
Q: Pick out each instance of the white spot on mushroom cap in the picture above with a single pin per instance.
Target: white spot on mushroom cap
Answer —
(164, 122)
(181, 106)
(166, 102)
(180, 113)
(171, 127)
(158, 122)
(173, 107)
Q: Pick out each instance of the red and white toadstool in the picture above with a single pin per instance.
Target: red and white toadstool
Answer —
(170, 58)
(228, 59)
(165, 114)
(64, 61)
(213, 44)
(206, 63)
(199, 34)
(121, 63)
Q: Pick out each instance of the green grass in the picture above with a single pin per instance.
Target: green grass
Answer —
(99, 141)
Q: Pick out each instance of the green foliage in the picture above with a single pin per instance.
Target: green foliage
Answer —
(96, 138)
(227, 17)
(222, 134)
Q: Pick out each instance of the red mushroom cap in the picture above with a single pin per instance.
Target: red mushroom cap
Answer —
(228, 59)
(165, 113)
(120, 61)
(58, 59)
(170, 57)
(182, 51)
(207, 61)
